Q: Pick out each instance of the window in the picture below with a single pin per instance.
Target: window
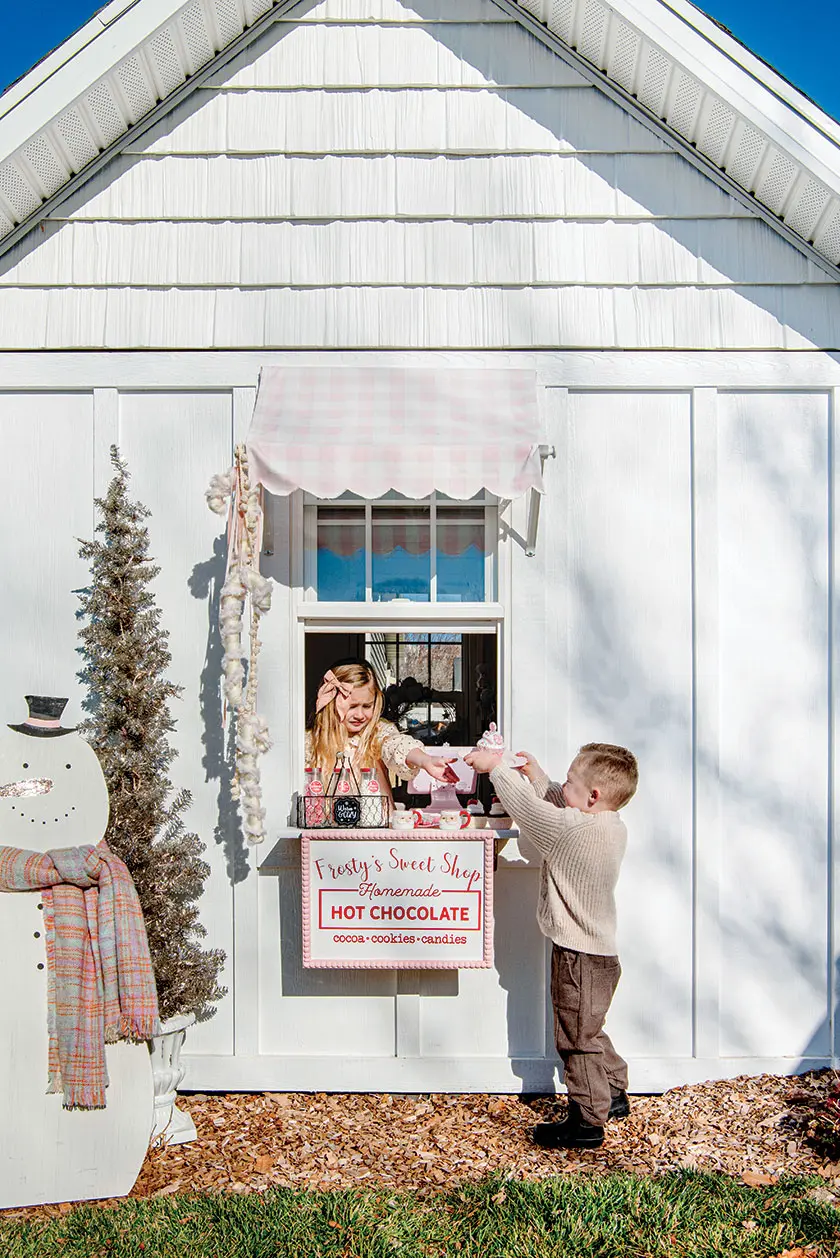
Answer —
(437, 550)
(439, 687)
(401, 553)
(418, 587)
(424, 674)
(342, 547)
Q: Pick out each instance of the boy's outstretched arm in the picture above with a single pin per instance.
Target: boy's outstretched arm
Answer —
(533, 771)
(544, 821)
(531, 767)
(543, 786)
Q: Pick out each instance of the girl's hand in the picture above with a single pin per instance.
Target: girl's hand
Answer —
(484, 761)
(440, 769)
(531, 769)
(437, 767)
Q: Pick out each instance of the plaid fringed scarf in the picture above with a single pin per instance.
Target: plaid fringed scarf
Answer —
(101, 986)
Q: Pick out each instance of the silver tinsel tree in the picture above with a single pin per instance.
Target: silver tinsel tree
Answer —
(126, 658)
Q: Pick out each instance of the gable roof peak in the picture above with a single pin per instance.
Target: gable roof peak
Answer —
(135, 59)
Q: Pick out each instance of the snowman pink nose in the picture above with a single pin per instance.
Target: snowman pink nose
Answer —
(26, 787)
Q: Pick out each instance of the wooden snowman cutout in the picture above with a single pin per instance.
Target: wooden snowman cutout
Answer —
(53, 795)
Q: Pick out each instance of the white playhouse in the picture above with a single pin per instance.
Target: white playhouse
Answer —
(545, 303)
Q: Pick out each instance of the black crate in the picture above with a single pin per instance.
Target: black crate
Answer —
(343, 812)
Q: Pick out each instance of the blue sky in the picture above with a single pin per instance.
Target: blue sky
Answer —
(804, 52)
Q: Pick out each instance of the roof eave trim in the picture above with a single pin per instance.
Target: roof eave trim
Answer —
(736, 128)
(785, 121)
(75, 75)
(135, 130)
(659, 127)
(745, 59)
(28, 82)
(655, 59)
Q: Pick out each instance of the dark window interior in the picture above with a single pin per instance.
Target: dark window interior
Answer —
(439, 687)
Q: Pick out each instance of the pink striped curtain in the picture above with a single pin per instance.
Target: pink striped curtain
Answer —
(452, 538)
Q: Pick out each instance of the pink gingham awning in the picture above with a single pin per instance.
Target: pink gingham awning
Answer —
(412, 429)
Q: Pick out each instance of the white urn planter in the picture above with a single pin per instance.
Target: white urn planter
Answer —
(171, 1125)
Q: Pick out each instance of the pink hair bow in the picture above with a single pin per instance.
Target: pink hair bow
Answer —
(331, 688)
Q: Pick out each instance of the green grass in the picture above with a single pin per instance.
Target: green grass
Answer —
(681, 1215)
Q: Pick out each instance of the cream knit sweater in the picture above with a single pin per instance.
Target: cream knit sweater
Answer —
(581, 858)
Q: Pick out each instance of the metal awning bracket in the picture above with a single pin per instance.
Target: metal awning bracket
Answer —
(546, 452)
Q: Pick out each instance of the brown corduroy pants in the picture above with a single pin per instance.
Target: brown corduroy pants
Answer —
(582, 987)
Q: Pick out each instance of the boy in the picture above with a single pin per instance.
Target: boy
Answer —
(578, 832)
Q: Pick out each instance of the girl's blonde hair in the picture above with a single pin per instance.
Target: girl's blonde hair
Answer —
(327, 734)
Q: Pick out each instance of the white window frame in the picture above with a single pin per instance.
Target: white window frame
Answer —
(487, 502)
(310, 616)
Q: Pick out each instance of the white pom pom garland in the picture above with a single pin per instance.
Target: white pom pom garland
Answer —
(221, 488)
(232, 492)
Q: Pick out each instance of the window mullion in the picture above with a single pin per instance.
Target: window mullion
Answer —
(433, 549)
(310, 552)
(368, 553)
(491, 547)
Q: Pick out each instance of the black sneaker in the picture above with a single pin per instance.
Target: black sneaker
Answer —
(574, 1133)
(619, 1105)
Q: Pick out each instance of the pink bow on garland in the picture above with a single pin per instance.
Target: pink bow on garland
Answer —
(331, 688)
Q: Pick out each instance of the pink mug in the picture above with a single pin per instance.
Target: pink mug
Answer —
(452, 820)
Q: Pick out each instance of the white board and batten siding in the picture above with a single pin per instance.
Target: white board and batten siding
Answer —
(426, 185)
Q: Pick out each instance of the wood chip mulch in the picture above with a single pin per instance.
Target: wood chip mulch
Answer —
(754, 1128)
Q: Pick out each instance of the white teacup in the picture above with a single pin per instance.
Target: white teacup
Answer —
(450, 819)
(402, 821)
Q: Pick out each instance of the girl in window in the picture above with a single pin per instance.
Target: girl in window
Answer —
(348, 721)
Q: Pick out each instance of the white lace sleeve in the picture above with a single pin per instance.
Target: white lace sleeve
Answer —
(395, 748)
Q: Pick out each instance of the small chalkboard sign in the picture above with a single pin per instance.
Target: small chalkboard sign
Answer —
(347, 810)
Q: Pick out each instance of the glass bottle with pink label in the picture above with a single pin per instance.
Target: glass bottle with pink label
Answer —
(314, 806)
(374, 803)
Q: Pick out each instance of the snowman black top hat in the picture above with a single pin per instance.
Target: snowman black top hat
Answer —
(44, 720)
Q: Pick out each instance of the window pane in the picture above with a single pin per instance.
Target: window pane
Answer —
(341, 555)
(414, 658)
(402, 554)
(461, 552)
(446, 667)
(441, 685)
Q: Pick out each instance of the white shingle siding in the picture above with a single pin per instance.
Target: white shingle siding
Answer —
(351, 211)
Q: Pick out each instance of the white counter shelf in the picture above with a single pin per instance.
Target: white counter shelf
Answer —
(285, 852)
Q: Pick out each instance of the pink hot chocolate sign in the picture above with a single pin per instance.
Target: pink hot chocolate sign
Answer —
(397, 901)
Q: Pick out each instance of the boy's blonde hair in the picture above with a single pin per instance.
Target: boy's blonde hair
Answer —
(327, 734)
(613, 770)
